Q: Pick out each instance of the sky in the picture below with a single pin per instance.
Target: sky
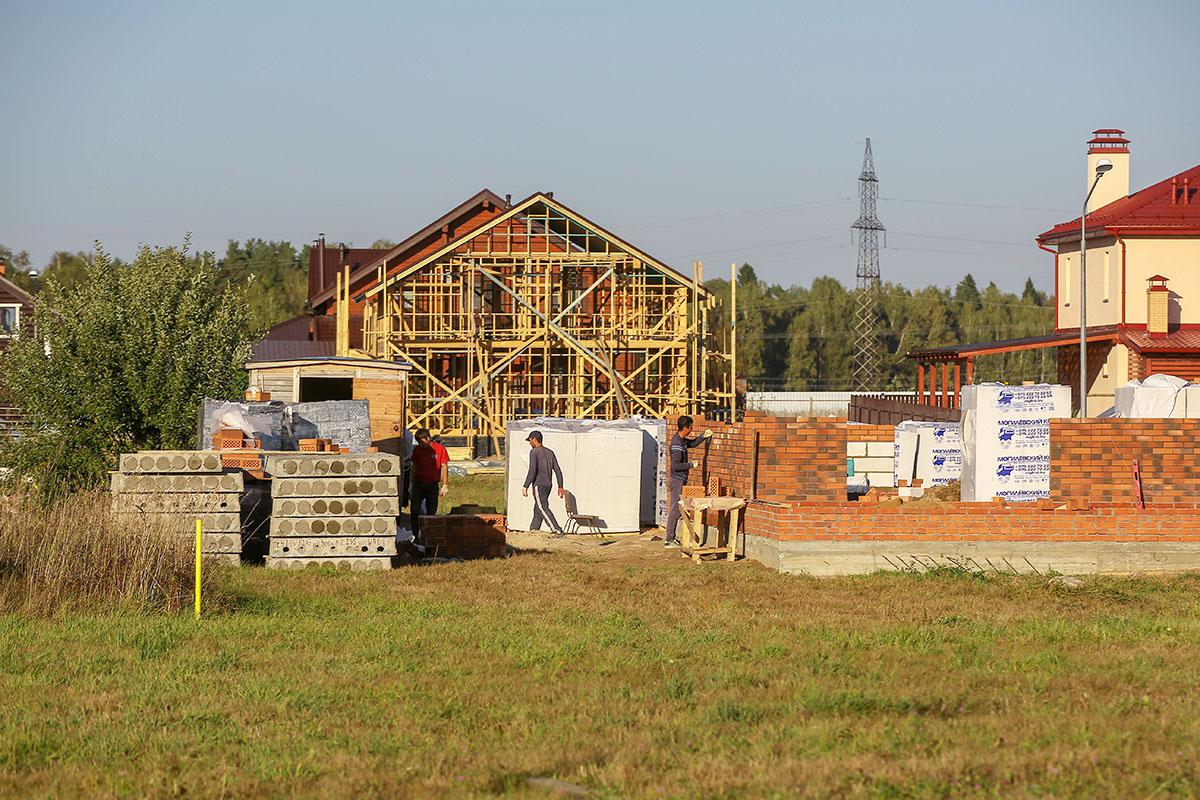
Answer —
(727, 132)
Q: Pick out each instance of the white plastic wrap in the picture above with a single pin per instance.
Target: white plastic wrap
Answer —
(602, 464)
(1157, 397)
(929, 451)
(1006, 439)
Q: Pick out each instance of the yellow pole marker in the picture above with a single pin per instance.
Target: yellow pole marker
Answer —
(199, 537)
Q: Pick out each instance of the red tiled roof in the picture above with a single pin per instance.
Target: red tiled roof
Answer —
(1183, 340)
(406, 247)
(325, 280)
(274, 350)
(1151, 208)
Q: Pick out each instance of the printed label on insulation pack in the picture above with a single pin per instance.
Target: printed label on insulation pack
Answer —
(947, 460)
(1019, 433)
(1023, 470)
(1026, 400)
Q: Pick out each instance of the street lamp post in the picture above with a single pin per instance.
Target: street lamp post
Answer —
(1101, 168)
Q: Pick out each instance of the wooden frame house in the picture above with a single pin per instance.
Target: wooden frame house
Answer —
(517, 310)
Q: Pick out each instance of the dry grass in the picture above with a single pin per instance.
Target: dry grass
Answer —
(75, 554)
(659, 679)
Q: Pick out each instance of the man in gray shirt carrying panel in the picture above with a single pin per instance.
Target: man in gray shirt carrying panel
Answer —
(543, 469)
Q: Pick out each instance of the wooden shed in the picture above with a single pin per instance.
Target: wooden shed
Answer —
(383, 384)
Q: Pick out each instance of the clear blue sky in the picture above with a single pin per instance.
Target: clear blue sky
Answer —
(724, 131)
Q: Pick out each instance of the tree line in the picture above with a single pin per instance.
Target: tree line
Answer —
(802, 338)
(798, 338)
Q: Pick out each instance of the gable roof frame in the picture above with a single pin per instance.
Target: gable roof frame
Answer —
(411, 241)
(515, 211)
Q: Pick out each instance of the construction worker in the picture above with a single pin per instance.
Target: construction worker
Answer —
(680, 464)
(543, 469)
(430, 478)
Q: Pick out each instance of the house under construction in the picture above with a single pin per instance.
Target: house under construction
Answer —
(515, 310)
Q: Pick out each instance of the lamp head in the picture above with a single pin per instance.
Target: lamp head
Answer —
(1103, 166)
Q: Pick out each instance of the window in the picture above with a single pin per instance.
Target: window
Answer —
(1066, 292)
(10, 321)
(1107, 274)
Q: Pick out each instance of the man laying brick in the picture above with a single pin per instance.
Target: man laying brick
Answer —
(543, 469)
(680, 467)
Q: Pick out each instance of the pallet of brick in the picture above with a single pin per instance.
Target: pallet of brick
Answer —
(180, 487)
(465, 536)
(333, 510)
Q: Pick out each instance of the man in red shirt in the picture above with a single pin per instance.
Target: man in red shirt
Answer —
(430, 478)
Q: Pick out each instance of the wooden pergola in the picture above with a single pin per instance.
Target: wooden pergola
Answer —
(956, 363)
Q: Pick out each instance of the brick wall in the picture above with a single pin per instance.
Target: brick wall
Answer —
(982, 522)
(870, 433)
(1092, 460)
(799, 459)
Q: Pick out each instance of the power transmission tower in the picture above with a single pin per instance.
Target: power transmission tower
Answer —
(868, 345)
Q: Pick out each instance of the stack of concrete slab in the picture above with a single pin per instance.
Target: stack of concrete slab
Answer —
(338, 510)
(182, 486)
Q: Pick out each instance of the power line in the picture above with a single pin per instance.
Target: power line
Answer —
(758, 246)
(972, 205)
(962, 239)
(750, 212)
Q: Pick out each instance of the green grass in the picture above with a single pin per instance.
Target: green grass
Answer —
(663, 680)
(479, 490)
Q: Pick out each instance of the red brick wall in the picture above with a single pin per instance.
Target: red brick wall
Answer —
(971, 522)
(1092, 460)
(799, 459)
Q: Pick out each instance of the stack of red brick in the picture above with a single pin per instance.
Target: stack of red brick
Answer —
(465, 535)
(1092, 460)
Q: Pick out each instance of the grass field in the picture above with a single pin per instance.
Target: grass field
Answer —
(658, 679)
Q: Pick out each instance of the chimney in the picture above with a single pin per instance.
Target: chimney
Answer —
(1108, 144)
(1158, 304)
(3, 269)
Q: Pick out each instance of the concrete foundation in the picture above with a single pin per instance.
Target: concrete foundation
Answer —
(223, 559)
(323, 526)
(823, 558)
(317, 546)
(371, 563)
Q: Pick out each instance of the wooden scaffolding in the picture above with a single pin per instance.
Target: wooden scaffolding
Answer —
(542, 313)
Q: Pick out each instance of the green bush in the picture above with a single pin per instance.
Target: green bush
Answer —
(121, 362)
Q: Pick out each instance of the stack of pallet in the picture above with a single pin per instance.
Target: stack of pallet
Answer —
(464, 536)
(338, 510)
(183, 486)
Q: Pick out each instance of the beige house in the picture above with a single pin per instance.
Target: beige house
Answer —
(1143, 285)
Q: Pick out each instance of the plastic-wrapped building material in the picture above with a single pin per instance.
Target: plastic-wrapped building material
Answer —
(1157, 397)
(929, 451)
(264, 421)
(347, 423)
(602, 464)
(1006, 439)
(654, 470)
